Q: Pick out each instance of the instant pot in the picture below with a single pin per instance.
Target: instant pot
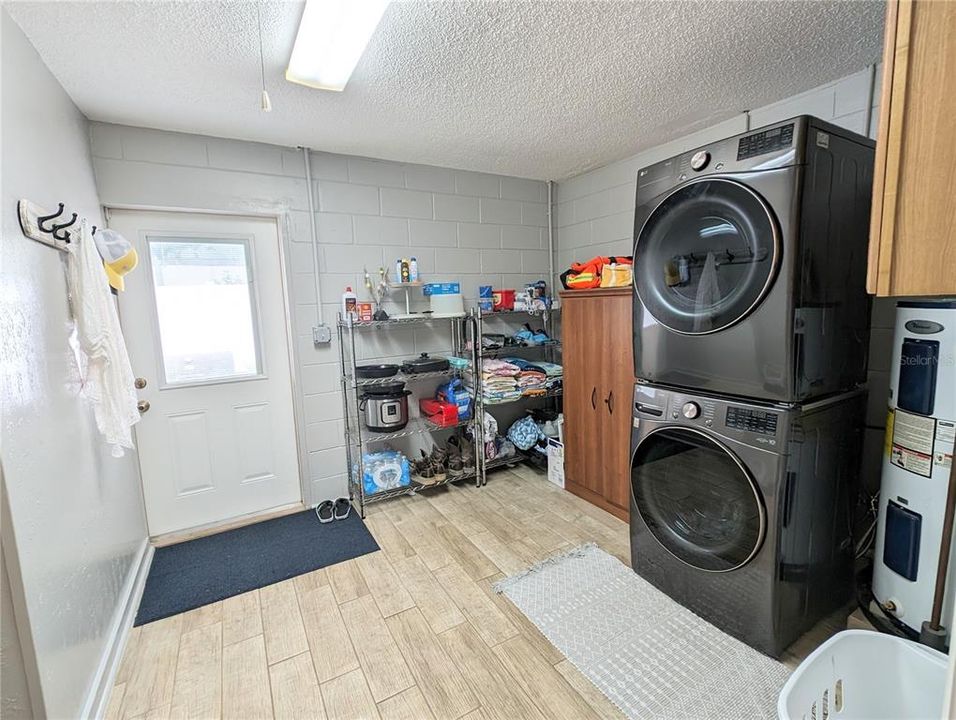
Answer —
(385, 407)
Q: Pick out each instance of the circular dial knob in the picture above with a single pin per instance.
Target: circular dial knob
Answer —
(699, 160)
(690, 410)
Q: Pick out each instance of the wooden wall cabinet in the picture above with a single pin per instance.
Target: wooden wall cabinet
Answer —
(913, 224)
(596, 334)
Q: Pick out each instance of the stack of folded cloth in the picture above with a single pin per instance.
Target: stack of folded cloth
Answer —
(555, 374)
(536, 378)
(498, 381)
(532, 379)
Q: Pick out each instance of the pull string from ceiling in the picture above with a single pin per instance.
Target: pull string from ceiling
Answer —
(266, 102)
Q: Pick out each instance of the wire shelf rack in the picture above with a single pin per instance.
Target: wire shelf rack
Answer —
(417, 487)
(404, 377)
(415, 426)
(536, 396)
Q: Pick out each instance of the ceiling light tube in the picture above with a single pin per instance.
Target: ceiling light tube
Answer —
(332, 37)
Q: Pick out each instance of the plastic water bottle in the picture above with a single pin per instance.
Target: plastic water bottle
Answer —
(413, 270)
(349, 301)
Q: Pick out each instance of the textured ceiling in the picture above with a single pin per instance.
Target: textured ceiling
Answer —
(535, 89)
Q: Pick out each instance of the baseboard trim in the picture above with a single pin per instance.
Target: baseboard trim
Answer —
(100, 689)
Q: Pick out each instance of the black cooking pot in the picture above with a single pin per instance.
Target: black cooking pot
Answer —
(369, 372)
(425, 364)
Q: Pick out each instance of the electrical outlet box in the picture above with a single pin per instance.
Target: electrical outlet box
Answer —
(321, 335)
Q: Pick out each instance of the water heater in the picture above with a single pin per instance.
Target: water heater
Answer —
(918, 454)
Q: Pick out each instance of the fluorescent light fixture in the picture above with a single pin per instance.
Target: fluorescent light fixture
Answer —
(332, 36)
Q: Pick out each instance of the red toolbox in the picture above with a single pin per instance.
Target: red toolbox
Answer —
(443, 414)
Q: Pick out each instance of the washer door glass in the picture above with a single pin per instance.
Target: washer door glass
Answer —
(706, 256)
(697, 499)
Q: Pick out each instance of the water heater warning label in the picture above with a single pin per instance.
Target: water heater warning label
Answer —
(913, 437)
(945, 440)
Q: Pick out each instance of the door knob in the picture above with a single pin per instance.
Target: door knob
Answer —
(139, 383)
(609, 401)
(142, 406)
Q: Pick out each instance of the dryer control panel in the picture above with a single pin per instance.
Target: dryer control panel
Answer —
(765, 142)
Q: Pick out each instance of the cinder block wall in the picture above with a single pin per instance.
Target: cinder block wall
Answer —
(475, 228)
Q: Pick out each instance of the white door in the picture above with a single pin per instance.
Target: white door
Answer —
(204, 317)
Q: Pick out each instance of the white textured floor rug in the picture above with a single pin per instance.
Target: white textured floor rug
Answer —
(649, 655)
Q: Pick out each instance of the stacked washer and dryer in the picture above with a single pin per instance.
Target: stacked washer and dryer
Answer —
(751, 329)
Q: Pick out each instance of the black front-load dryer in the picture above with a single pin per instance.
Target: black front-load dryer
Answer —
(750, 264)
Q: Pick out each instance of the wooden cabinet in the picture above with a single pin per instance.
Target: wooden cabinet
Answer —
(913, 225)
(596, 336)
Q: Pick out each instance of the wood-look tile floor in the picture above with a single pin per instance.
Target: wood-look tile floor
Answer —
(411, 632)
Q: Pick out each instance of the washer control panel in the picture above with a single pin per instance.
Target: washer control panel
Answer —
(762, 422)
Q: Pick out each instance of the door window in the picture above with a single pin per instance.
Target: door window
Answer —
(706, 256)
(697, 500)
(206, 310)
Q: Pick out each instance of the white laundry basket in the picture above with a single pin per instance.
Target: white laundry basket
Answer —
(866, 675)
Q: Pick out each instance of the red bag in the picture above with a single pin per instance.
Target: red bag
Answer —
(587, 275)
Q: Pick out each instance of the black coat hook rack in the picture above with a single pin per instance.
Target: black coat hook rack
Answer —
(37, 224)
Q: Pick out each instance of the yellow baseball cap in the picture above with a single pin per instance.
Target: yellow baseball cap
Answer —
(119, 256)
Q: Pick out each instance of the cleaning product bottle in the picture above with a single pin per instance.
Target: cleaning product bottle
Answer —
(398, 270)
(349, 301)
(413, 270)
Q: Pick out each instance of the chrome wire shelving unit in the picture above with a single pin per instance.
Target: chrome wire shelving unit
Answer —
(358, 438)
(550, 352)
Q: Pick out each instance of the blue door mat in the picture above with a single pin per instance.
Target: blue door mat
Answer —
(198, 572)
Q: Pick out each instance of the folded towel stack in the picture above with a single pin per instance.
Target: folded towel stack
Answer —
(537, 377)
(513, 377)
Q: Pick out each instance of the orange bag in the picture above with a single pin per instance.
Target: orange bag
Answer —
(587, 275)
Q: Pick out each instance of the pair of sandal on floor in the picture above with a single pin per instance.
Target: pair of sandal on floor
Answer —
(454, 460)
(328, 510)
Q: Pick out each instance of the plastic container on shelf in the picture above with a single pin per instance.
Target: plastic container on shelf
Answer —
(448, 288)
(447, 305)
(504, 299)
(864, 675)
(413, 270)
(349, 304)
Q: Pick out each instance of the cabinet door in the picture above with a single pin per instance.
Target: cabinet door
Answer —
(580, 330)
(914, 218)
(618, 388)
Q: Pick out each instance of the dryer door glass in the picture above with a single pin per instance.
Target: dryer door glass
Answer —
(697, 499)
(706, 256)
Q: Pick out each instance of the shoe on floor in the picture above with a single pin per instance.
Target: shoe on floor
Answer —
(325, 511)
(342, 508)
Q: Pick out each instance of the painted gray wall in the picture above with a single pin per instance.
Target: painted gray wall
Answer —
(461, 226)
(77, 513)
(15, 703)
(595, 213)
